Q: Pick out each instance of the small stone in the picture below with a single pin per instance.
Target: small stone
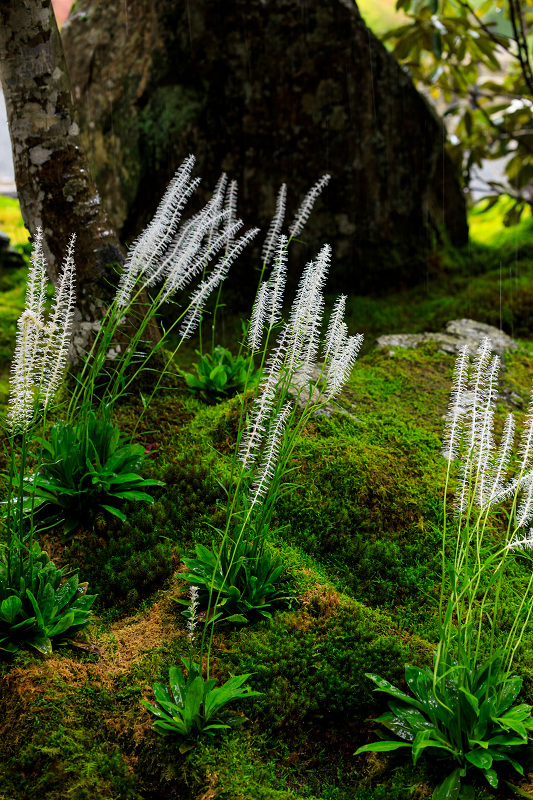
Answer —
(459, 332)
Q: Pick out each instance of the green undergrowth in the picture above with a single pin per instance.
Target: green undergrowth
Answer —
(359, 537)
(11, 221)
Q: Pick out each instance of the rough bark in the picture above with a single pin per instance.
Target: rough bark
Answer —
(54, 183)
(271, 91)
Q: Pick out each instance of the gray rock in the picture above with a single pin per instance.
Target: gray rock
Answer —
(270, 91)
(459, 332)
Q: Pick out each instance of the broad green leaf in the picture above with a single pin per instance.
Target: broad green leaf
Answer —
(177, 685)
(193, 701)
(215, 727)
(479, 758)
(66, 591)
(177, 726)
(449, 788)
(473, 701)
(46, 602)
(42, 644)
(162, 694)
(36, 609)
(513, 723)
(381, 747)
(62, 625)
(397, 725)
(428, 738)
(416, 720)
(384, 686)
(115, 511)
(478, 743)
(10, 607)
(124, 477)
(491, 777)
(132, 494)
(506, 739)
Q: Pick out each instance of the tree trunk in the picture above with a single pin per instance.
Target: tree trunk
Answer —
(55, 187)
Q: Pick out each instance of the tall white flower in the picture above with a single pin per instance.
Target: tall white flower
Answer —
(230, 204)
(257, 319)
(275, 226)
(189, 252)
(147, 250)
(58, 330)
(336, 330)
(457, 407)
(306, 314)
(41, 347)
(484, 450)
(526, 441)
(192, 612)
(341, 365)
(496, 490)
(253, 436)
(302, 215)
(270, 455)
(200, 296)
(276, 282)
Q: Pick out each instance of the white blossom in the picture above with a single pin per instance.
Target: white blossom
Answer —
(270, 456)
(41, 347)
(275, 225)
(205, 288)
(457, 406)
(306, 207)
(147, 250)
(257, 320)
(192, 612)
(341, 366)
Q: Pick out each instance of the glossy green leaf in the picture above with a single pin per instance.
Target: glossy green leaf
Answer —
(384, 686)
(116, 512)
(381, 747)
(449, 788)
(491, 777)
(479, 758)
(10, 607)
(193, 701)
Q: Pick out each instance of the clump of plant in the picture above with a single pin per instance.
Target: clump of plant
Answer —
(243, 573)
(267, 438)
(164, 260)
(195, 706)
(39, 604)
(462, 711)
(87, 468)
(220, 375)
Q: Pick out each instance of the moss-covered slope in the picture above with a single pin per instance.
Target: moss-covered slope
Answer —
(359, 536)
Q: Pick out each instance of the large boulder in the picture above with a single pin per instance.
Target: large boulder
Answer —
(270, 91)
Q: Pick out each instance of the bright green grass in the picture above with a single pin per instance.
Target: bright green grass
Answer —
(11, 221)
(380, 15)
(487, 228)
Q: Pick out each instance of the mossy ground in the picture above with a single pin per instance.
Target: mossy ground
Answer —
(359, 537)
